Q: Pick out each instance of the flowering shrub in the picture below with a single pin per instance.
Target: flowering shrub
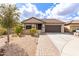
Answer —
(33, 31)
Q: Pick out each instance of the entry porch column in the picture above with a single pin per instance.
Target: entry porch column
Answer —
(62, 28)
(43, 27)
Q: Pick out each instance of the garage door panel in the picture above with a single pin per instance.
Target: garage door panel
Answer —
(53, 28)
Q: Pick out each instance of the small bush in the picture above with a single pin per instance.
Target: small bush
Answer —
(33, 31)
(73, 30)
(18, 30)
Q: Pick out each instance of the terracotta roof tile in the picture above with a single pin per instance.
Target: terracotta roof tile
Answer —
(72, 22)
(33, 20)
(36, 20)
(75, 21)
(53, 21)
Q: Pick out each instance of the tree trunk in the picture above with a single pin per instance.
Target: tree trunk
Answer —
(8, 38)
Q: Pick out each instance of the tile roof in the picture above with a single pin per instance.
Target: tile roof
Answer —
(53, 21)
(36, 20)
(75, 21)
(72, 22)
(33, 20)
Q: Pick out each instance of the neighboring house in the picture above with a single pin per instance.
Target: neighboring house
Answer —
(72, 25)
(44, 25)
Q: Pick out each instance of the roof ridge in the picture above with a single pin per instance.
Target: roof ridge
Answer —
(46, 20)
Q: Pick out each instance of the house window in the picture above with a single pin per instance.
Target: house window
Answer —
(28, 26)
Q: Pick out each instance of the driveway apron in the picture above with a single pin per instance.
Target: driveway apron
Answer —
(60, 40)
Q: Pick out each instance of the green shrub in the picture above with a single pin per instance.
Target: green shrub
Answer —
(18, 30)
(2, 31)
(33, 31)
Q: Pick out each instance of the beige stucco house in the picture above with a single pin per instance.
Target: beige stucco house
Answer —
(44, 25)
(72, 25)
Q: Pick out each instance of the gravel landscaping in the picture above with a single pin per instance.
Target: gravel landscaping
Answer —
(20, 46)
(14, 50)
(29, 46)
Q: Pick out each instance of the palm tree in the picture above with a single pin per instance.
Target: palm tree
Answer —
(9, 17)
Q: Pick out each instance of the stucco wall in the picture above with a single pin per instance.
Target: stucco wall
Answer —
(43, 27)
(72, 27)
(34, 26)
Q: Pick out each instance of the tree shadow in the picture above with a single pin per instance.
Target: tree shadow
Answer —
(12, 50)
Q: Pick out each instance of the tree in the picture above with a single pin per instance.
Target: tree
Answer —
(9, 17)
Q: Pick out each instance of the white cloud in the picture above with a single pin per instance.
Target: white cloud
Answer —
(53, 12)
(30, 10)
(60, 11)
(73, 8)
(63, 11)
(59, 8)
(76, 18)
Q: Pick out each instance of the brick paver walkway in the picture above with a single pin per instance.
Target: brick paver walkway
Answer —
(45, 47)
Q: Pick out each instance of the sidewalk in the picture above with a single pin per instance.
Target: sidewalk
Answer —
(45, 47)
(72, 48)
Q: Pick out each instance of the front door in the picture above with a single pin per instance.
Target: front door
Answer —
(39, 26)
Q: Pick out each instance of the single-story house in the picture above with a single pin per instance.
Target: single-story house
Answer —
(44, 25)
(72, 25)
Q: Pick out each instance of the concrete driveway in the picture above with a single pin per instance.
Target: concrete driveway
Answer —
(61, 40)
(71, 48)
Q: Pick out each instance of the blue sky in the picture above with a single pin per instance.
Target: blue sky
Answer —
(64, 11)
(44, 6)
